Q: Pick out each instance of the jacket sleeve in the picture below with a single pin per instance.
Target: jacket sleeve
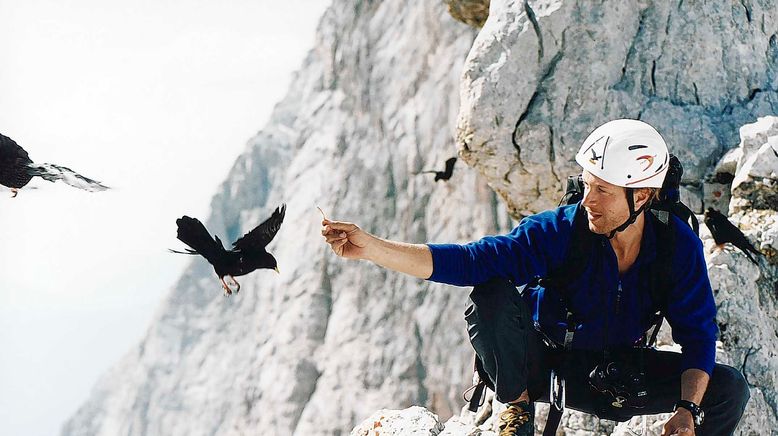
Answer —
(691, 310)
(527, 251)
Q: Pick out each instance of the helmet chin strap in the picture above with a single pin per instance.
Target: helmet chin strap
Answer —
(633, 214)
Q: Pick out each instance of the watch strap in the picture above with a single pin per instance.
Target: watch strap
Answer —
(695, 410)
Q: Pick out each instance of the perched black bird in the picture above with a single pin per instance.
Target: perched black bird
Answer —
(445, 174)
(17, 169)
(247, 253)
(724, 231)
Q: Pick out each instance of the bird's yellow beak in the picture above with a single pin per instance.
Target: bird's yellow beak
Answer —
(276, 268)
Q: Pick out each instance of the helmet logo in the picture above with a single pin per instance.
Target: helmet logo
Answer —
(593, 160)
(649, 160)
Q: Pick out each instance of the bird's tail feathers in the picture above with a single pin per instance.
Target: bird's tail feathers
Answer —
(753, 249)
(188, 251)
(52, 173)
(194, 234)
(750, 256)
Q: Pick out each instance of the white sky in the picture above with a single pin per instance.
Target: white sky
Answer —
(153, 98)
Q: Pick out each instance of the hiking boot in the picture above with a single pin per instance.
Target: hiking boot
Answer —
(518, 420)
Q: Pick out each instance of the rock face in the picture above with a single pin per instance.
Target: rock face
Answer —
(413, 420)
(542, 74)
(756, 173)
(324, 345)
(747, 294)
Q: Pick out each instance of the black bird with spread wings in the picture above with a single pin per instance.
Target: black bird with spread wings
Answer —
(445, 174)
(17, 169)
(724, 231)
(247, 254)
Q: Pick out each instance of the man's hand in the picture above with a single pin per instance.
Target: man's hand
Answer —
(694, 382)
(680, 424)
(346, 239)
(349, 241)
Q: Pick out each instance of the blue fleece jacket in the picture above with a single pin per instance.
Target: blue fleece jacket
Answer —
(539, 244)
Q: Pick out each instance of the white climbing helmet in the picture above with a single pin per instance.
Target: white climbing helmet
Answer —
(628, 153)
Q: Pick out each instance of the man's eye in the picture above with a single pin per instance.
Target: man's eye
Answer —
(600, 189)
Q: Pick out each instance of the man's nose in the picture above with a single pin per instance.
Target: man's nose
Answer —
(588, 198)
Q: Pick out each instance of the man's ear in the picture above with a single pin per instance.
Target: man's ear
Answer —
(641, 196)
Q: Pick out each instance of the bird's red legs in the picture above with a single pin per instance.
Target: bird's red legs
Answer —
(227, 290)
(237, 285)
(14, 191)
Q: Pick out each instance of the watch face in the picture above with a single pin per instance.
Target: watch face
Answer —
(691, 407)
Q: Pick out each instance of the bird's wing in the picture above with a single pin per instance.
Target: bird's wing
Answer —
(450, 166)
(9, 149)
(711, 223)
(742, 242)
(53, 173)
(735, 236)
(725, 225)
(262, 234)
(194, 234)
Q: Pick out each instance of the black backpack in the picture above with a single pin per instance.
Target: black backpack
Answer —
(657, 276)
(576, 259)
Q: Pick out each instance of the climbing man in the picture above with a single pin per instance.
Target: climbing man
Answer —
(570, 294)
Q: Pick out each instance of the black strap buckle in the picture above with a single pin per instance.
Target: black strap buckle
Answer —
(570, 332)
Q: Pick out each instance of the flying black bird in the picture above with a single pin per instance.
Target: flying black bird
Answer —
(724, 231)
(17, 169)
(247, 253)
(445, 174)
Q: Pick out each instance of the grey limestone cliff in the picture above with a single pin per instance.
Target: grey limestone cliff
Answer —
(395, 87)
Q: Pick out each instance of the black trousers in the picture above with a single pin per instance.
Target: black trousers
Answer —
(515, 358)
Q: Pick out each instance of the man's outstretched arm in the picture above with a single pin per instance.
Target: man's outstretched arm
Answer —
(529, 250)
(349, 241)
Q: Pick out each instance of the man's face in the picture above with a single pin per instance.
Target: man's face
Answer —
(606, 205)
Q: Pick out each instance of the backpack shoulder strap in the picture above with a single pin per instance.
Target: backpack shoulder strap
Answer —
(686, 215)
(574, 264)
(660, 270)
(576, 258)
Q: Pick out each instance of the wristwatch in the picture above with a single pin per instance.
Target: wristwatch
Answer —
(697, 414)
